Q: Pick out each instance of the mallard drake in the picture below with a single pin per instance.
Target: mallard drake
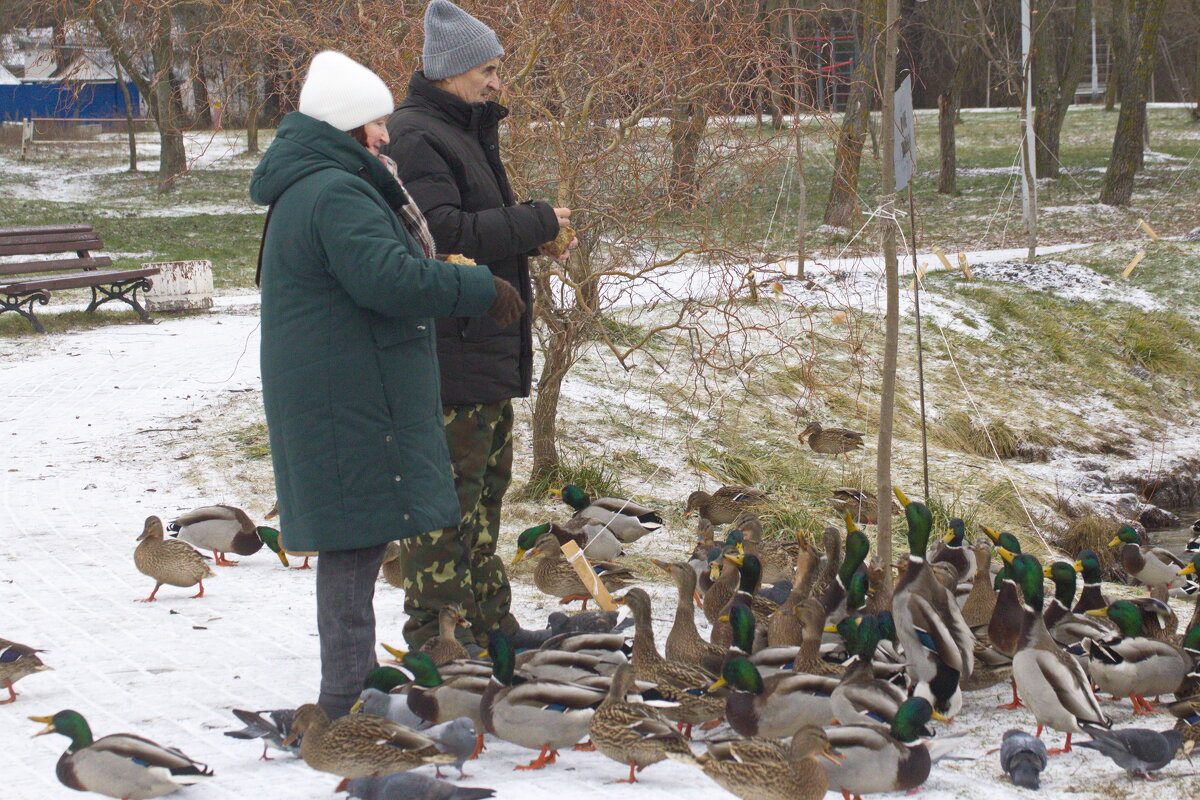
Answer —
(221, 529)
(725, 504)
(538, 714)
(684, 642)
(776, 560)
(276, 544)
(628, 521)
(390, 568)
(678, 682)
(1053, 683)
(878, 758)
(1187, 717)
(860, 696)
(1092, 595)
(168, 560)
(120, 764)
(557, 578)
(954, 551)
(1131, 665)
(438, 698)
(831, 441)
(939, 648)
(758, 768)
(1156, 567)
(17, 661)
(632, 733)
(1066, 627)
(360, 745)
(833, 598)
(597, 542)
(445, 647)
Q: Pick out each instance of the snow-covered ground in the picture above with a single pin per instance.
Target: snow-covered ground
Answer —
(100, 428)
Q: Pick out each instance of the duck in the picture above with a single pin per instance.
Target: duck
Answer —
(1187, 717)
(628, 521)
(878, 758)
(221, 529)
(390, 568)
(775, 558)
(597, 542)
(168, 561)
(360, 745)
(537, 714)
(758, 768)
(1156, 567)
(955, 552)
(555, 576)
(860, 504)
(1066, 627)
(436, 697)
(860, 696)
(1052, 681)
(681, 683)
(1131, 665)
(1193, 545)
(684, 642)
(980, 602)
(632, 733)
(783, 628)
(120, 764)
(831, 441)
(749, 578)
(1091, 596)
(724, 505)
(939, 648)
(725, 576)
(275, 542)
(833, 597)
(17, 661)
(445, 647)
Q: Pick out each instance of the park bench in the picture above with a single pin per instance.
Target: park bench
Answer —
(25, 282)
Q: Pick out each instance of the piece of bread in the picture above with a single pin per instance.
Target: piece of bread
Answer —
(457, 258)
(561, 242)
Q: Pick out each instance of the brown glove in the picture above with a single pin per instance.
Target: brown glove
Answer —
(508, 307)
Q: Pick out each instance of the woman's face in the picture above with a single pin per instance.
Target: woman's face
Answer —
(376, 133)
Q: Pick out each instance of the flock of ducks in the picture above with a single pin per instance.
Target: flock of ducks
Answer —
(826, 679)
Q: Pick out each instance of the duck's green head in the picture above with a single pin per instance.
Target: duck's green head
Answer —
(751, 569)
(868, 636)
(1191, 641)
(1124, 614)
(1088, 563)
(1063, 575)
(847, 628)
(504, 656)
(70, 724)
(575, 497)
(920, 524)
(741, 619)
(912, 716)
(385, 679)
(1193, 566)
(856, 591)
(739, 673)
(736, 540)
(957, 533)
(424, 671)
(270, 537)
(527, 540)
(857, 548)
(1125, 535)
(1028, 574)
(887, 626)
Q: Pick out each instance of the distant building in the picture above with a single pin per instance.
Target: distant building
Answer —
(85, 87)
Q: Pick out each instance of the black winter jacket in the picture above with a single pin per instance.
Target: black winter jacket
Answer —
(448, 155)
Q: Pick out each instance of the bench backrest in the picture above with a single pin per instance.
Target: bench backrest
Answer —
(48, 239)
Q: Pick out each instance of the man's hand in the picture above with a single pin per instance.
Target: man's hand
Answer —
(508, 306)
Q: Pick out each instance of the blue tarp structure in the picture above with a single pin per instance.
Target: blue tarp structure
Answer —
(66, 100)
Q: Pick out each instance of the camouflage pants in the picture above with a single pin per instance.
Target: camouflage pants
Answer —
(459, 565)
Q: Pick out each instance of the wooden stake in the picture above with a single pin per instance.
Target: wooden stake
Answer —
(966, 269)
(937, 251)
(591, 581)
(1132, 265)
(919, 276)
(1153, 234)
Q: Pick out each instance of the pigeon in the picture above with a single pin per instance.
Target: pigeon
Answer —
(413, 786)
(1139, 751)
(583, 622)
(1023, 758)
(456, 737)
(391, 706)
(272, 731)
(777, 593)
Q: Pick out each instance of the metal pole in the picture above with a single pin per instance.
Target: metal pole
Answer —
(1028, 156)
(887, 399)
(912, 222)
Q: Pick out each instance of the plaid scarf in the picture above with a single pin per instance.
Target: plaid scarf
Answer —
(409, 214)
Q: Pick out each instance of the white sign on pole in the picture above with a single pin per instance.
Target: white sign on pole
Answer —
(905, 157)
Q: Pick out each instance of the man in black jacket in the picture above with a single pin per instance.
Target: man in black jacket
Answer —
(445, 142)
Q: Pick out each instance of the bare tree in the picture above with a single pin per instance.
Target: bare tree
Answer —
(1056, 74)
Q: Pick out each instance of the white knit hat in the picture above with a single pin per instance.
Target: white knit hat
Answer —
(344, 93)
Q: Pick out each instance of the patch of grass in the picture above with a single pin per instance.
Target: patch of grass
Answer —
(14, 325)
(726, 466)
(598, 479)
(960, 431)
(1094, 532)
(252, 441)
(1162, 342)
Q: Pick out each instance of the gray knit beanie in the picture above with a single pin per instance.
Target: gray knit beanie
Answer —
(455, 41)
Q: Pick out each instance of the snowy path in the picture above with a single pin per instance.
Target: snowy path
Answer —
(77, 483)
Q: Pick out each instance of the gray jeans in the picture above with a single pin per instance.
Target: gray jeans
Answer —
(346, 624)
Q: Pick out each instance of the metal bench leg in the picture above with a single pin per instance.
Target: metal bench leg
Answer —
(14, 303)
(126, 292)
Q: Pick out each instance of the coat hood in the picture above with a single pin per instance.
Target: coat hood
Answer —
(304, 145)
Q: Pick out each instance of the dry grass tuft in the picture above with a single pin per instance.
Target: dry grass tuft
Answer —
(1094, 532)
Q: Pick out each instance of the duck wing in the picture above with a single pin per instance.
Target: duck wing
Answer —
(121, 765)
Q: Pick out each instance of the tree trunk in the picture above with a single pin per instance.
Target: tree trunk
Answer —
(949, 102)
(252, 100)
(133, 158)
(1054, 92)
(1118, 48)
(204, 118)
(1127, 144)
(558, 358)
(1196, 74)
(841, 210)
(688, 121)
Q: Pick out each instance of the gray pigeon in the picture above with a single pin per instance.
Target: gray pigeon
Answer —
(456, 737)
(413, 786)
(392, 706)
(1023, 758)
(272, 731)
(583, 622)
(1139, 751)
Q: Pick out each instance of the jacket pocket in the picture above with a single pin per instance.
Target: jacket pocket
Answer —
(389, 332)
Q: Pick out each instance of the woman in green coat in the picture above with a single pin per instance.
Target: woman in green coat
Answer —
(348, 359)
